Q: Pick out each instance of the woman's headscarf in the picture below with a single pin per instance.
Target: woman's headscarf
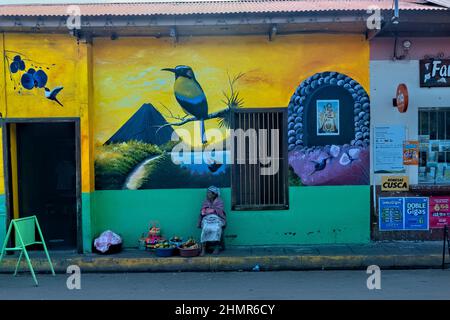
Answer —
(214, 189)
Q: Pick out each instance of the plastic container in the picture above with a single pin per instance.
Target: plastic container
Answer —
(164, 252)
(176, 243)
(186, 252)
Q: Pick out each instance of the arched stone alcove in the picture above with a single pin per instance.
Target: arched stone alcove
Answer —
(329, 131)
(354, 111)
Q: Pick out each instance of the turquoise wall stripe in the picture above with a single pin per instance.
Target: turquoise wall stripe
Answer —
(86, 222)
(3, 226)
(325, 214)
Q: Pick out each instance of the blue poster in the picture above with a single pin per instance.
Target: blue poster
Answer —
(391, 214)
(416, 213)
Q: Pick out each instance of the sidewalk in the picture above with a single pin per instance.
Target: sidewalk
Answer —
(387, 255)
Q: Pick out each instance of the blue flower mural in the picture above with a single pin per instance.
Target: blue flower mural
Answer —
(27, 81)
(17, 64)
(34, 78)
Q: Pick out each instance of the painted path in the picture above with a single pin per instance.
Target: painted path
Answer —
(136, 177)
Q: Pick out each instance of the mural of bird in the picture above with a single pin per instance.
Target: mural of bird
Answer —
(190, 95)
(319, 165)
(51, 94)
(214, 166)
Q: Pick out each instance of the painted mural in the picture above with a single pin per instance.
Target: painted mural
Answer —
(153, 96)
(329, 131)
(143, 154)
(28, 74)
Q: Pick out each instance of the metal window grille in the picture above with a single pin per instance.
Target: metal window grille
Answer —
(434, 155)
(259, 175)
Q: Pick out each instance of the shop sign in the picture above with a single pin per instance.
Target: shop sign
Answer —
(435, 73)
(394, 183)
(401, 100)
(439, 212)
(404, 213)
(411, 153)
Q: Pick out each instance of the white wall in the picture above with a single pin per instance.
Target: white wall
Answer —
(385, 76)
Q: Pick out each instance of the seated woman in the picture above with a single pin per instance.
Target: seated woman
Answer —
(212, 220)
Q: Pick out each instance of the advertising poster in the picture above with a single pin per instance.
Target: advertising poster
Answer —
(416, 213)
(424, 142)
(411, 153)
(439, 212)
(389, 149)
(391, 214)
(444, 146)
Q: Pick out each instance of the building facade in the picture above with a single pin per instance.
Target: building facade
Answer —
(424, 123)
(103, 128)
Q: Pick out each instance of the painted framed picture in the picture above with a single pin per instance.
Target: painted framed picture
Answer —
(327, 117)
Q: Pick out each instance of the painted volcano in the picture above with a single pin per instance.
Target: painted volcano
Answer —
(143, 126)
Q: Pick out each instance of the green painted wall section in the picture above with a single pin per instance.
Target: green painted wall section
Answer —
(86, 221)
(326, 214)
(3, 226)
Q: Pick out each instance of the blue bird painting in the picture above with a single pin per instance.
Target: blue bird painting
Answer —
(190, 95)
(51, 94)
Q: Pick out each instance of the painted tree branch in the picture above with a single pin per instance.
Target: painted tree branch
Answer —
(232, 101)
(218, 114)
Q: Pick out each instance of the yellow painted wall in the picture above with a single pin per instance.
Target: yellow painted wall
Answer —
(68, 64)
(127, 71)
(2, 111)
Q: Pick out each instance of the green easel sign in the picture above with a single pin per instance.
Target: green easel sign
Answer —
(25, 229)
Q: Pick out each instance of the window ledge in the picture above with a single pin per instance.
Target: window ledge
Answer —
(430, 188)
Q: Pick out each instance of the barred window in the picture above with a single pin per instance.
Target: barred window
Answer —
(434, 141)
(259, 176)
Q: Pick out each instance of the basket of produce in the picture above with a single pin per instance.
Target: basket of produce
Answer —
(189, 249)
(176, 241)
(164, 249)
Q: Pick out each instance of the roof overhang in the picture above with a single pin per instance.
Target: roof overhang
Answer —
(295, 17)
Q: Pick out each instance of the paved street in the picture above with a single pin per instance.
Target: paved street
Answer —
(408, 284)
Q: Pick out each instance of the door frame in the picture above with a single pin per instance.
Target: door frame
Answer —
(7, 167)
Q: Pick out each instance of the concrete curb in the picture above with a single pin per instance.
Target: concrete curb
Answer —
(227, 263)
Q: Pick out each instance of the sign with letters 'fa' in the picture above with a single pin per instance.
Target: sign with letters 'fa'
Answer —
(435, 73)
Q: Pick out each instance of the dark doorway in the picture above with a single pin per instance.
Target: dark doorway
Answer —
(47, 170)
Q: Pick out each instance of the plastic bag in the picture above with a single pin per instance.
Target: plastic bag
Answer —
(105, 240)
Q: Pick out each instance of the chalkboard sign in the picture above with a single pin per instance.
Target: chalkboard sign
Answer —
(435, 73)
